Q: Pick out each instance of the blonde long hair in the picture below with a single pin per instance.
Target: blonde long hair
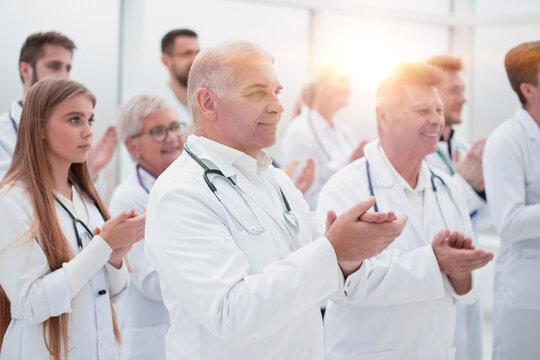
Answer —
(31, 168)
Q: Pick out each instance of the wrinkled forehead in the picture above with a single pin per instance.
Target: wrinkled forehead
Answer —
(246, 70)
(416, 95)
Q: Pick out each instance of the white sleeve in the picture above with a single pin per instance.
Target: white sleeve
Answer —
(85, 264)
(204, 269)
(505, 183)
(25, 276)
(143, 275)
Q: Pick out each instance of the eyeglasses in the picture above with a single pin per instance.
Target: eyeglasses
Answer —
(159, 133)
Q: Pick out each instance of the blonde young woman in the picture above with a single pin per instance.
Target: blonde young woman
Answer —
(60, 254)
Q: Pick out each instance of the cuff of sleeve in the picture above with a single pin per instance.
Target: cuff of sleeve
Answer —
(472, 295)
(57, 292)
(118, 278)
(353, 288)
(85, 264)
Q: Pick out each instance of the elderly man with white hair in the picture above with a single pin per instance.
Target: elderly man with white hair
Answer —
(243, 264)
(409, 311)
(150, 129)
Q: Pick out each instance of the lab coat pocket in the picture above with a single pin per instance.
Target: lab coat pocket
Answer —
(385, 355)
(520, 290)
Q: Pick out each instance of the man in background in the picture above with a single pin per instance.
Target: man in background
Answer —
(178, 50)
(42, 55)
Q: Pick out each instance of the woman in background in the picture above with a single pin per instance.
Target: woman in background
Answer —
(151, 131)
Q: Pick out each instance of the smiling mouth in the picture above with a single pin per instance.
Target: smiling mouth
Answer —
(431, 134)
(170, 150)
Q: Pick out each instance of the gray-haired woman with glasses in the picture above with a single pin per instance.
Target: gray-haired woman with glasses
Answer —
(150, 129)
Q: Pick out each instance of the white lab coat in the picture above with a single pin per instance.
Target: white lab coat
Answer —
(512, 181)
(329, 148)
(144, 320)
(477, 206)
(184, 115)
(8, 135)
(468, 335)
(232, 295)
(37, 294)
(409, 309)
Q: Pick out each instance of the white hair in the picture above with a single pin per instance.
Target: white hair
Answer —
(132, 112)
(213, 68)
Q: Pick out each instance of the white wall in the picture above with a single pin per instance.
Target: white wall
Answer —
(369, 48)
(282, 31)
(93, 26)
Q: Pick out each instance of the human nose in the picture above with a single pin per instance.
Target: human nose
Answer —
(275, 105)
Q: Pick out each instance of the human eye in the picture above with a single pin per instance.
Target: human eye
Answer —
(174, 126)
(91, 121)
(422, 111)
(74, 119)
(157, 131)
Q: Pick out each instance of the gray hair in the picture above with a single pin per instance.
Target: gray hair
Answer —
(132, 112)
(212, 68)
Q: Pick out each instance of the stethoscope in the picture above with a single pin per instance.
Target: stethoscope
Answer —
(140, 179)
(76, 221)
(288, 215)
(13, 121)
(433, 178)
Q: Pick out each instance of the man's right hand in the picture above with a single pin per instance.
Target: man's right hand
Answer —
(357, 235)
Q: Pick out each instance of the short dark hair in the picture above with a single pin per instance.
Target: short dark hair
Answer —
(522, 64)
(32, 49)
(446, 62)
(167, 42)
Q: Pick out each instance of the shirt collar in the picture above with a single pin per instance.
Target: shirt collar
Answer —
(230, 161)
(527, 121)
(421, 182)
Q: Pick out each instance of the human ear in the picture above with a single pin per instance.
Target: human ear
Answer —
(165, 59)
(528, 91)
(206, 101)
(133, 149)
(26, 72)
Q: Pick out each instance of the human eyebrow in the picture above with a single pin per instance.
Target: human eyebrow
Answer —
(77, 113)
(256, 86)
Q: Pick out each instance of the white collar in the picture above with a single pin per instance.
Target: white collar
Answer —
(421, 183)
(229, 160)
(526, 120)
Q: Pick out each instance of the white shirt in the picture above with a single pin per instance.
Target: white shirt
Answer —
(443, 160)
(230, 294)
(144, 320)
(9, 123)
(182, 110)
(408, 311)
(310, 136)
(416, 195)
(512, 182)
(37, 294)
